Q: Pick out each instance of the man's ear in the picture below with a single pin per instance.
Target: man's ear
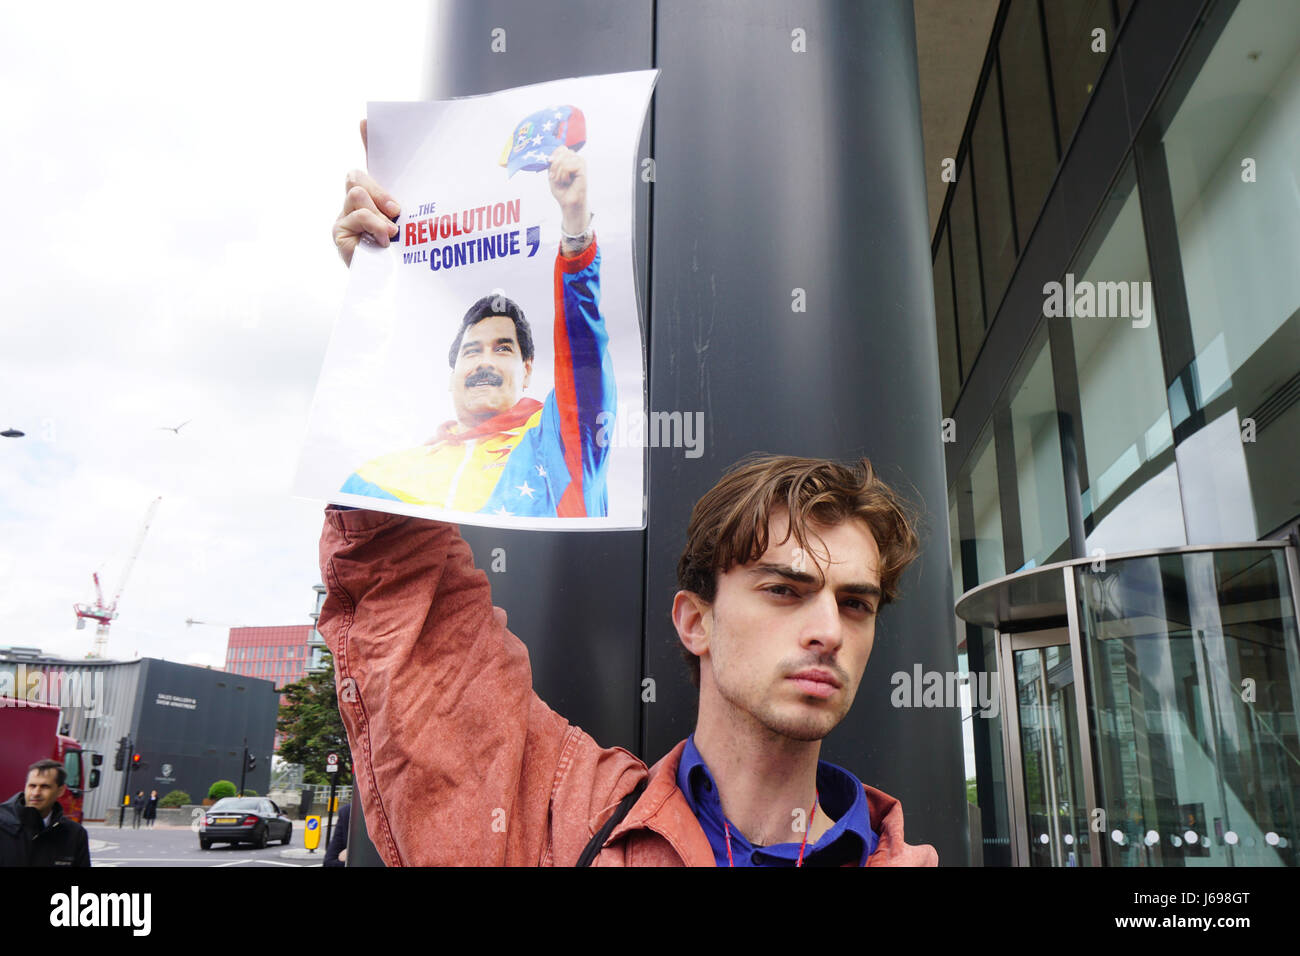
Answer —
(693, 618)
(528, 373)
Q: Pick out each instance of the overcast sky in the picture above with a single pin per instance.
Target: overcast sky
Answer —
(171, 174)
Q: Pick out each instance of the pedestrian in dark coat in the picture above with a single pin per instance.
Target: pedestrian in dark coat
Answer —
(33, 829)
(151, 808)
(336, 854)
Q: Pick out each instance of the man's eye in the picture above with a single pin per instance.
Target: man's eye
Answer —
(781, 590)
(860, 606)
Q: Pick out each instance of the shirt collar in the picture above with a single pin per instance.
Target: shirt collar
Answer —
(851, 838)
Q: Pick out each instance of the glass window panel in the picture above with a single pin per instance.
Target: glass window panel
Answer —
(1190, 772)
(946, 325)
(993, 197)
(1126, 429)
(1040, 481)
(1075, 67)
(1148, 517)
(1028, 105)
(1216, 487)
(1240, 241)
(966, 271)
(986, 507)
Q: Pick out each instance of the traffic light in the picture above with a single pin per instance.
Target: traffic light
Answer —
(252, 763)
(137, 763)
(119, 762)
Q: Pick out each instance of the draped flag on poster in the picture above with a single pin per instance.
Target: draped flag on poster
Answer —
(482, 360)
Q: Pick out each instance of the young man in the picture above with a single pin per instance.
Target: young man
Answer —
(787, 564)
(33, 829)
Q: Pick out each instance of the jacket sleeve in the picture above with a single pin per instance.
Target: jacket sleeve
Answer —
(584, 398)
(456, 759)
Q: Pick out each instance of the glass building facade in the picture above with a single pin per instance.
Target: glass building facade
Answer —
(1117, 289)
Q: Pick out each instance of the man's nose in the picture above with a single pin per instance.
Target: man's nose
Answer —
(823, 624)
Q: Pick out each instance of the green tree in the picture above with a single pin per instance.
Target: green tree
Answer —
(222, 788)
(312, 726)
(174, 798)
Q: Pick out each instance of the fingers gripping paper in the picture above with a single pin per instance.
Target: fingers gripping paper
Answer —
(482, 360)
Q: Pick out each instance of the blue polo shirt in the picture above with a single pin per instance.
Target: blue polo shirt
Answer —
(850, 840)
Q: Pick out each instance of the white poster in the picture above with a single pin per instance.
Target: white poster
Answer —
(483, 360)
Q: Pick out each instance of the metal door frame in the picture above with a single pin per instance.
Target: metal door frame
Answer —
(1007, 645)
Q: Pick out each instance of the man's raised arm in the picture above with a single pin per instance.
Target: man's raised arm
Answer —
(457, 761)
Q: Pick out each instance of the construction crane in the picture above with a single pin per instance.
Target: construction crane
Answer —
(102, 613)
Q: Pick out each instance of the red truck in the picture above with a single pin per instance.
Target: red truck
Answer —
(30, 732)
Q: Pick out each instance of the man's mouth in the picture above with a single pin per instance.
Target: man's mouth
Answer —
(816, 682)
(490, 379)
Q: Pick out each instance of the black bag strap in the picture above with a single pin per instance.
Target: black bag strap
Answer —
(598, 841)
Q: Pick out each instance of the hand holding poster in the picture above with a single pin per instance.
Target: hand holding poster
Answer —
(513, 264)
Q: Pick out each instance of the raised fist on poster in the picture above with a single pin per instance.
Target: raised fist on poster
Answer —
(568, 178)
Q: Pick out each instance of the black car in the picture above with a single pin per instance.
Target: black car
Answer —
(254, 820)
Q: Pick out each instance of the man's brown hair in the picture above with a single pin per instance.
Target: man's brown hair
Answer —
(729, 525)
(45, 766)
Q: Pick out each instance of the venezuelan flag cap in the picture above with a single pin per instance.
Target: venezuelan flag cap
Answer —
(536, 136)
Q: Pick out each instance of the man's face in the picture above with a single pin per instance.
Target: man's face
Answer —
(788, 635)
(490, 373)
(43, 790)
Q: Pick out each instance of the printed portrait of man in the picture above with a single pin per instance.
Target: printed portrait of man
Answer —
(507, 453)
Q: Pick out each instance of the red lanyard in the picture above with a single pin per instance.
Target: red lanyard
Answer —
(727, 829)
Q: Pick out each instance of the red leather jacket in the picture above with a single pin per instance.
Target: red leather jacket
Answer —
(456, 760)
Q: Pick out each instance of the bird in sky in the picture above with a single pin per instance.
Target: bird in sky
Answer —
(177, 429)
